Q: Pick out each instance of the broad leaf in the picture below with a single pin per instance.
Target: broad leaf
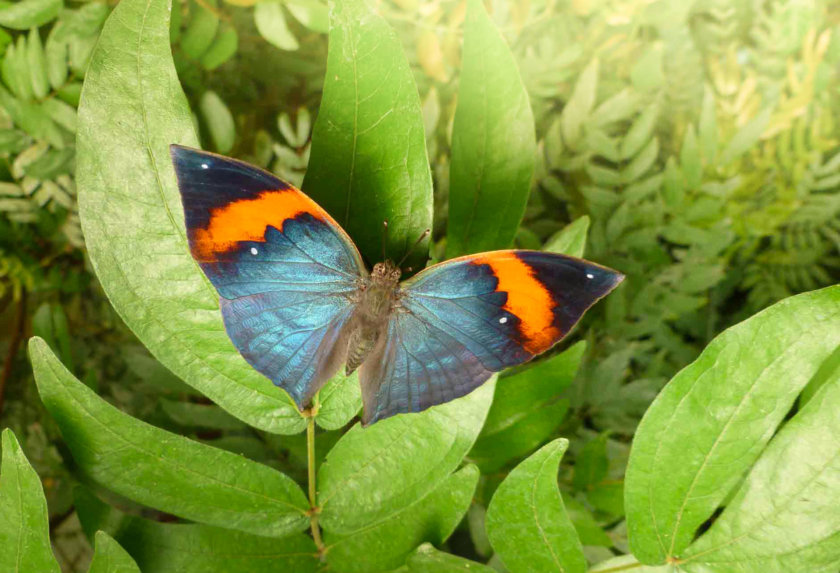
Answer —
(109, 557)
(527, 409)
(340, 400)
(711, 422)
(369, 160)
(185, 548)
(427, 559)
(526, 521)
(28, 13)
(132, 109)
(24, 523)
(375, 472)
(163, 470)
(385, 545)
(785, 516)
(493, 143)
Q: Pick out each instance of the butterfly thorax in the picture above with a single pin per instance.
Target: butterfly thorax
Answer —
(378, 298)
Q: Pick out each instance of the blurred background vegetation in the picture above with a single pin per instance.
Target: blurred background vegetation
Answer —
(698, 138)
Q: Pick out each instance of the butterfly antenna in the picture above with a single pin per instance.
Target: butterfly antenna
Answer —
(422, 236)
(384, 237)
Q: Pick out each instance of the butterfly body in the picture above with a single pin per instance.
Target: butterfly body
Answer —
(298, 302)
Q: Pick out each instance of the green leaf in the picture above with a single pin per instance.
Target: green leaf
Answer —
(785, 515)
(427, 559)
(109, 557)
(373, 473)
(640, 132)
(61, 113)
(340, 400)
(222, 49)
(576, 111)
(271, 24)
(200, 31)
(630, 564)
(162, 470)
(369, 160)
(132, 109)
(526, 521)
(219, 121)
(493, 143)
(28, 13)
(746, 137)
(311, 13)
(180, 548)
(200, 415)
(591, 463)
(725, 405)
(386, 544)
(691, 163)
(15, 70)
(24, 523)
(640, 165)
(571, 239)
(55, 55)
(37, 65)
(588, 530)
(527, 409)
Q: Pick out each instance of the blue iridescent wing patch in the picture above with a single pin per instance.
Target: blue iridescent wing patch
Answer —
(460, 321)
(285, 271)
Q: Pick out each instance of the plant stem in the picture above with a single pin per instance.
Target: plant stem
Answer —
(314, 510)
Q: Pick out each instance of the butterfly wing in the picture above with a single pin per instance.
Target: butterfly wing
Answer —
(460, 321)
(286, 272)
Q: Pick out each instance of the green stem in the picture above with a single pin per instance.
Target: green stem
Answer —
(314, 510)
(621, 568)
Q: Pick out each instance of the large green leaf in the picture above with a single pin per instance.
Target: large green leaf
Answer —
(187, 548)
(28, 13)
(369, 160)
(132, 108)
(373, 473)
(786, 515)
(385, 545)
(24, 523)
(527, 409)
(109, 557)
(714, 418)
(427, 559)
(164, 470)
(526, 521)
(493, 143)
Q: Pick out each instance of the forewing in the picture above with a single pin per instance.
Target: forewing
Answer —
(285, 271)
(460, 321)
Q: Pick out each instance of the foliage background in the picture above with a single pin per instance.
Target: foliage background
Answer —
(699, 138)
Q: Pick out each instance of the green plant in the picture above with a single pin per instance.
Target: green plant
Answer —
(710, 180)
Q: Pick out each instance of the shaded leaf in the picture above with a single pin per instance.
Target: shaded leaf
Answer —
(375, 472)
(386, 544)
(223, 48)
(200, 415)
(24, 524)
(109, 557)
(368, 161)
(726, 405)
(163, 470)
(526, 521)
(493, 143)
(427, 559)
(201, 30)
(135, 237)
(526, 409)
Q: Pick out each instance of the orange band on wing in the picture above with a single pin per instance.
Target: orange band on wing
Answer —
(247, 220)
(527, 298)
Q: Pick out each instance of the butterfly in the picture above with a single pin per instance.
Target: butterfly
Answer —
(299, 303)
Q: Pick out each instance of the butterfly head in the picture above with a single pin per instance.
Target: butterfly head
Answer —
(386, 273)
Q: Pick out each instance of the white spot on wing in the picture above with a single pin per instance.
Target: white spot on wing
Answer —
(253, 250)
(503, 320)
(205, 166)
(590, 276)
